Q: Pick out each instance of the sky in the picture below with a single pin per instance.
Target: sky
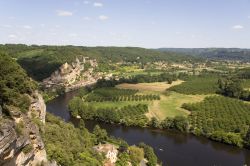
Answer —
(138, 23)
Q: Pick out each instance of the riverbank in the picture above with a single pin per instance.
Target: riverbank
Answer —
(177, 148)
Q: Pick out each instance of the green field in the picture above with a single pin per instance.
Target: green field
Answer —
(170, 104)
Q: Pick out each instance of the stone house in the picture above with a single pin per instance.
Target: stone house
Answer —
(109, 150)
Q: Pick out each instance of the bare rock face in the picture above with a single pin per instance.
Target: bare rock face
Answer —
(37, 107)
(20, 140)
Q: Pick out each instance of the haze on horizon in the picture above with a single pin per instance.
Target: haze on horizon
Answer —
(142, 23)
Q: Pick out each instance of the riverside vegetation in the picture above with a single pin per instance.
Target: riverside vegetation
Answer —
(149, 88)
(217, 115)
(64, 143)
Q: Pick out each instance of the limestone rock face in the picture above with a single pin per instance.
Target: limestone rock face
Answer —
(73, 75)
(37, 107)
(20, 140)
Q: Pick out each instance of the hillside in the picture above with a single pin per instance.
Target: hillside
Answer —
(22, 113)
(41, 61)
(233, 54)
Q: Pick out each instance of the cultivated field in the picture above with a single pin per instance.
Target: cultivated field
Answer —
(170, 103)
(155, 86)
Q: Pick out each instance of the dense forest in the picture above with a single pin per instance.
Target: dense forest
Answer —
(69, 145)
(14, 85)
(41, 61)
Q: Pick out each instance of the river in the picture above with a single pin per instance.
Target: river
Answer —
(174, 149)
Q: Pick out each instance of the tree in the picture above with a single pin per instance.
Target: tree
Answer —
(149, 154)
(81, 124)
(181, 123)
(155, 122)
(101, 134)
(247, 138)
(136, 155)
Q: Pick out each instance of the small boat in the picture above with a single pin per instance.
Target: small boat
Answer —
(160, 149)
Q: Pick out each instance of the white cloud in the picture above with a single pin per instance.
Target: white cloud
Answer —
(98, 4)
(27, 27)
(103, 17)
(238, 27)
(86, 2)
(12, 36)
(64, 13)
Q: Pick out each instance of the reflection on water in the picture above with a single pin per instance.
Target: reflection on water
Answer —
(172, 148)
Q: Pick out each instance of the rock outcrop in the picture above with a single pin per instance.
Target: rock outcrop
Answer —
(20, 139)
(73, 76)
(67, 74)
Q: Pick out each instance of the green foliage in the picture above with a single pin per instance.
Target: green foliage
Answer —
(28, 148)
(116, 95)
(101, 134)
(41, 61)
(69, 145)
(135, 154)
(232, 87)
(227, 137)
(203, 84)
(131, 115)
(14, 84)
(247, 139)
(149, 154)
(180, 123)
(220, 118)
(19, 128)
(155, 123)
(123, 159)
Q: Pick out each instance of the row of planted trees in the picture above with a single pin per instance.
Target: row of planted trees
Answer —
(96, 98)
(131, 115)
(220, 118)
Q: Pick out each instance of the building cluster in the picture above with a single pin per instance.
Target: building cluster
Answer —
(110, 152)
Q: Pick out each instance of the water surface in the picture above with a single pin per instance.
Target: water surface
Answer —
(172, 148)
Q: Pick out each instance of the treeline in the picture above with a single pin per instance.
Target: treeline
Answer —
(220, 118)
(96, 98)
(142, 78)
(116, 95)
(131, 115)
(41, 61)
(233, 87)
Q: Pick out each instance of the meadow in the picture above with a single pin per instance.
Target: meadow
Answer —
(169, 104)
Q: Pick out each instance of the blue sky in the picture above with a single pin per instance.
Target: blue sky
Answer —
(143, 23)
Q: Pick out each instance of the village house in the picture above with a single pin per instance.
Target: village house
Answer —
(109, 150)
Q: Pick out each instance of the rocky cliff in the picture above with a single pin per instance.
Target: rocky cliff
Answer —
(20, 139)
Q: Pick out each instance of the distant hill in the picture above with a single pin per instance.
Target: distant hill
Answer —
(235, 54)
(41, 61)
